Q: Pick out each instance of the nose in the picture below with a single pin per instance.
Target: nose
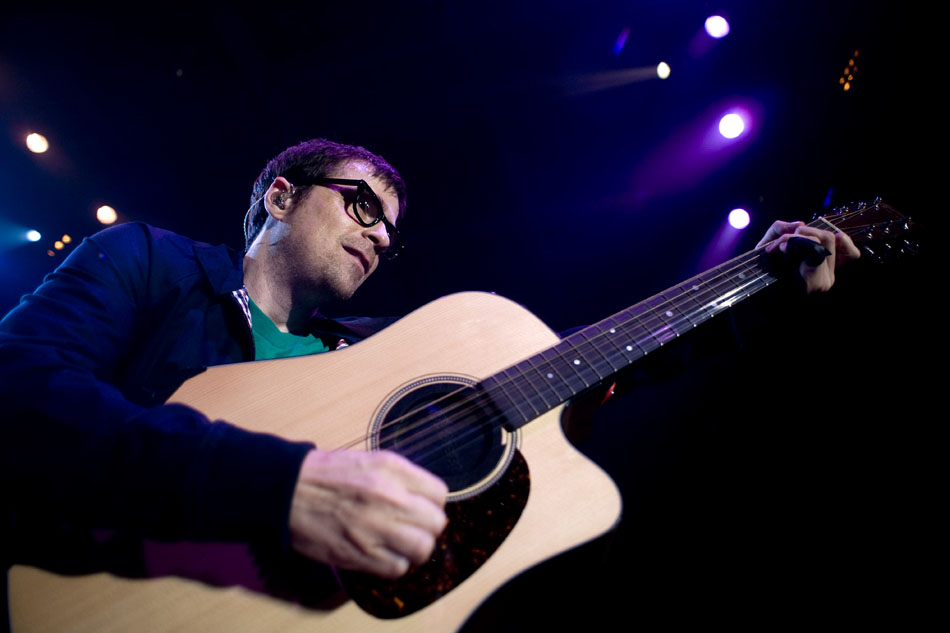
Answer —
(378, 235)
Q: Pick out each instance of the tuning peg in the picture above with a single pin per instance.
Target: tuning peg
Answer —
(871, 255)
(910, 248)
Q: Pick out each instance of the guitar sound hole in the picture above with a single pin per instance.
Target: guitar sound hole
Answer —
(451, 430)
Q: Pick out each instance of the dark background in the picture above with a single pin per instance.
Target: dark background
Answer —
(782, 475)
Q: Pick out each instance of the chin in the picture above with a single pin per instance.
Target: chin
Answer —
(343, 293)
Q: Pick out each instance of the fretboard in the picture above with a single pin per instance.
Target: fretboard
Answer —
(590, 356)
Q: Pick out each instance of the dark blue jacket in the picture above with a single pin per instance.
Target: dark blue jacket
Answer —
(86, 363)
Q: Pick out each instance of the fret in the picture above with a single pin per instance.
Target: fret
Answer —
(528, 394)
(565, 383)
(621, 333)
(616, 337)
(722, 287)
(697, 294)
(501, 396)
(641, 333)
(653, 322)
(543, 380)
(573, 362)
(748, 276)
(609, 342)
(589, 346)
(668, 313)
(682, 307)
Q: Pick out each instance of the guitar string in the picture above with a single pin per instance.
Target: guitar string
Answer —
(484, 397)
(418, 443)
(745, 259)
(711, 284)
(471, 406)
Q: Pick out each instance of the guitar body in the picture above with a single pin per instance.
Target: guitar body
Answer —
(338, 400)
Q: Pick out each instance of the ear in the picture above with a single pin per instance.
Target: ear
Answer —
(278, 199)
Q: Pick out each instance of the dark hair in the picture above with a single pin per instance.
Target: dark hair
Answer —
(313, 159)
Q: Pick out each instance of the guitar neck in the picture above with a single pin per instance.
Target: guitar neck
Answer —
(587, 358)
(590, 356)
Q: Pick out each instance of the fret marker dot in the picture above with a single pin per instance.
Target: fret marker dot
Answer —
(550, 376)
(629, 348)
(613, 331)
(741, 275)
(669, 313)
(696, 288)
(577, 362)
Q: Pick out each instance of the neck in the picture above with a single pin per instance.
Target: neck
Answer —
(274, 293)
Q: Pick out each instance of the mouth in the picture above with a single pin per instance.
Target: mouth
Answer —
(360, 256)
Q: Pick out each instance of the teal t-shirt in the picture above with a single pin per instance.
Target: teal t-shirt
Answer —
(269, 342)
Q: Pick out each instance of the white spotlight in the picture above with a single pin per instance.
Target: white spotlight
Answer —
(662, 70)
(37, 143)
(106, 214)
(731, 125)
(738, 218)
(33, 235)
(717, 27)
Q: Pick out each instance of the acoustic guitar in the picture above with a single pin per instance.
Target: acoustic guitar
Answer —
(479, 404)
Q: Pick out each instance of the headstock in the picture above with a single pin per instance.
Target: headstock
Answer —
(878, 229)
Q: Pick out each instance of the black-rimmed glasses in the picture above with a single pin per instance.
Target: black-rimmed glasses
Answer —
(367, 210)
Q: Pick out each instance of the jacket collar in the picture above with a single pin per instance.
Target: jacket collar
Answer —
(222, 266)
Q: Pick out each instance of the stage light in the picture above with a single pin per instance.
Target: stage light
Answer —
(717, 27)
(33, 235)
(67, 239)
(662, 70)
(106, 214)
(58, 245)
(738, 218)
(731, 125)
(621, 40)
(37, 143)
(849, 72)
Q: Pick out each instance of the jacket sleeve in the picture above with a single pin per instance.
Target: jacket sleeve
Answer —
(75, 450)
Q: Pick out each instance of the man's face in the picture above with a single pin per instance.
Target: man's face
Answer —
(328, 251)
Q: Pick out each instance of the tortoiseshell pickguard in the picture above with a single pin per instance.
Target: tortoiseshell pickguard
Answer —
(477, 526)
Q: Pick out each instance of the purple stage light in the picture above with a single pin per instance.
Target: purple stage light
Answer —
(738, 218)
(695, 151)
(717, 27)
(731, 125)
(621, 40)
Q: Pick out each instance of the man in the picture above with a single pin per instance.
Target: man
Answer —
(366, 511)
(133, 312)
(87, 361)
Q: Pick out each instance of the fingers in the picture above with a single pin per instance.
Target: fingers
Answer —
(838, 243)
(845, 248)
(371, 512)
(839, 246)
(775, 231)
(416, 479)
